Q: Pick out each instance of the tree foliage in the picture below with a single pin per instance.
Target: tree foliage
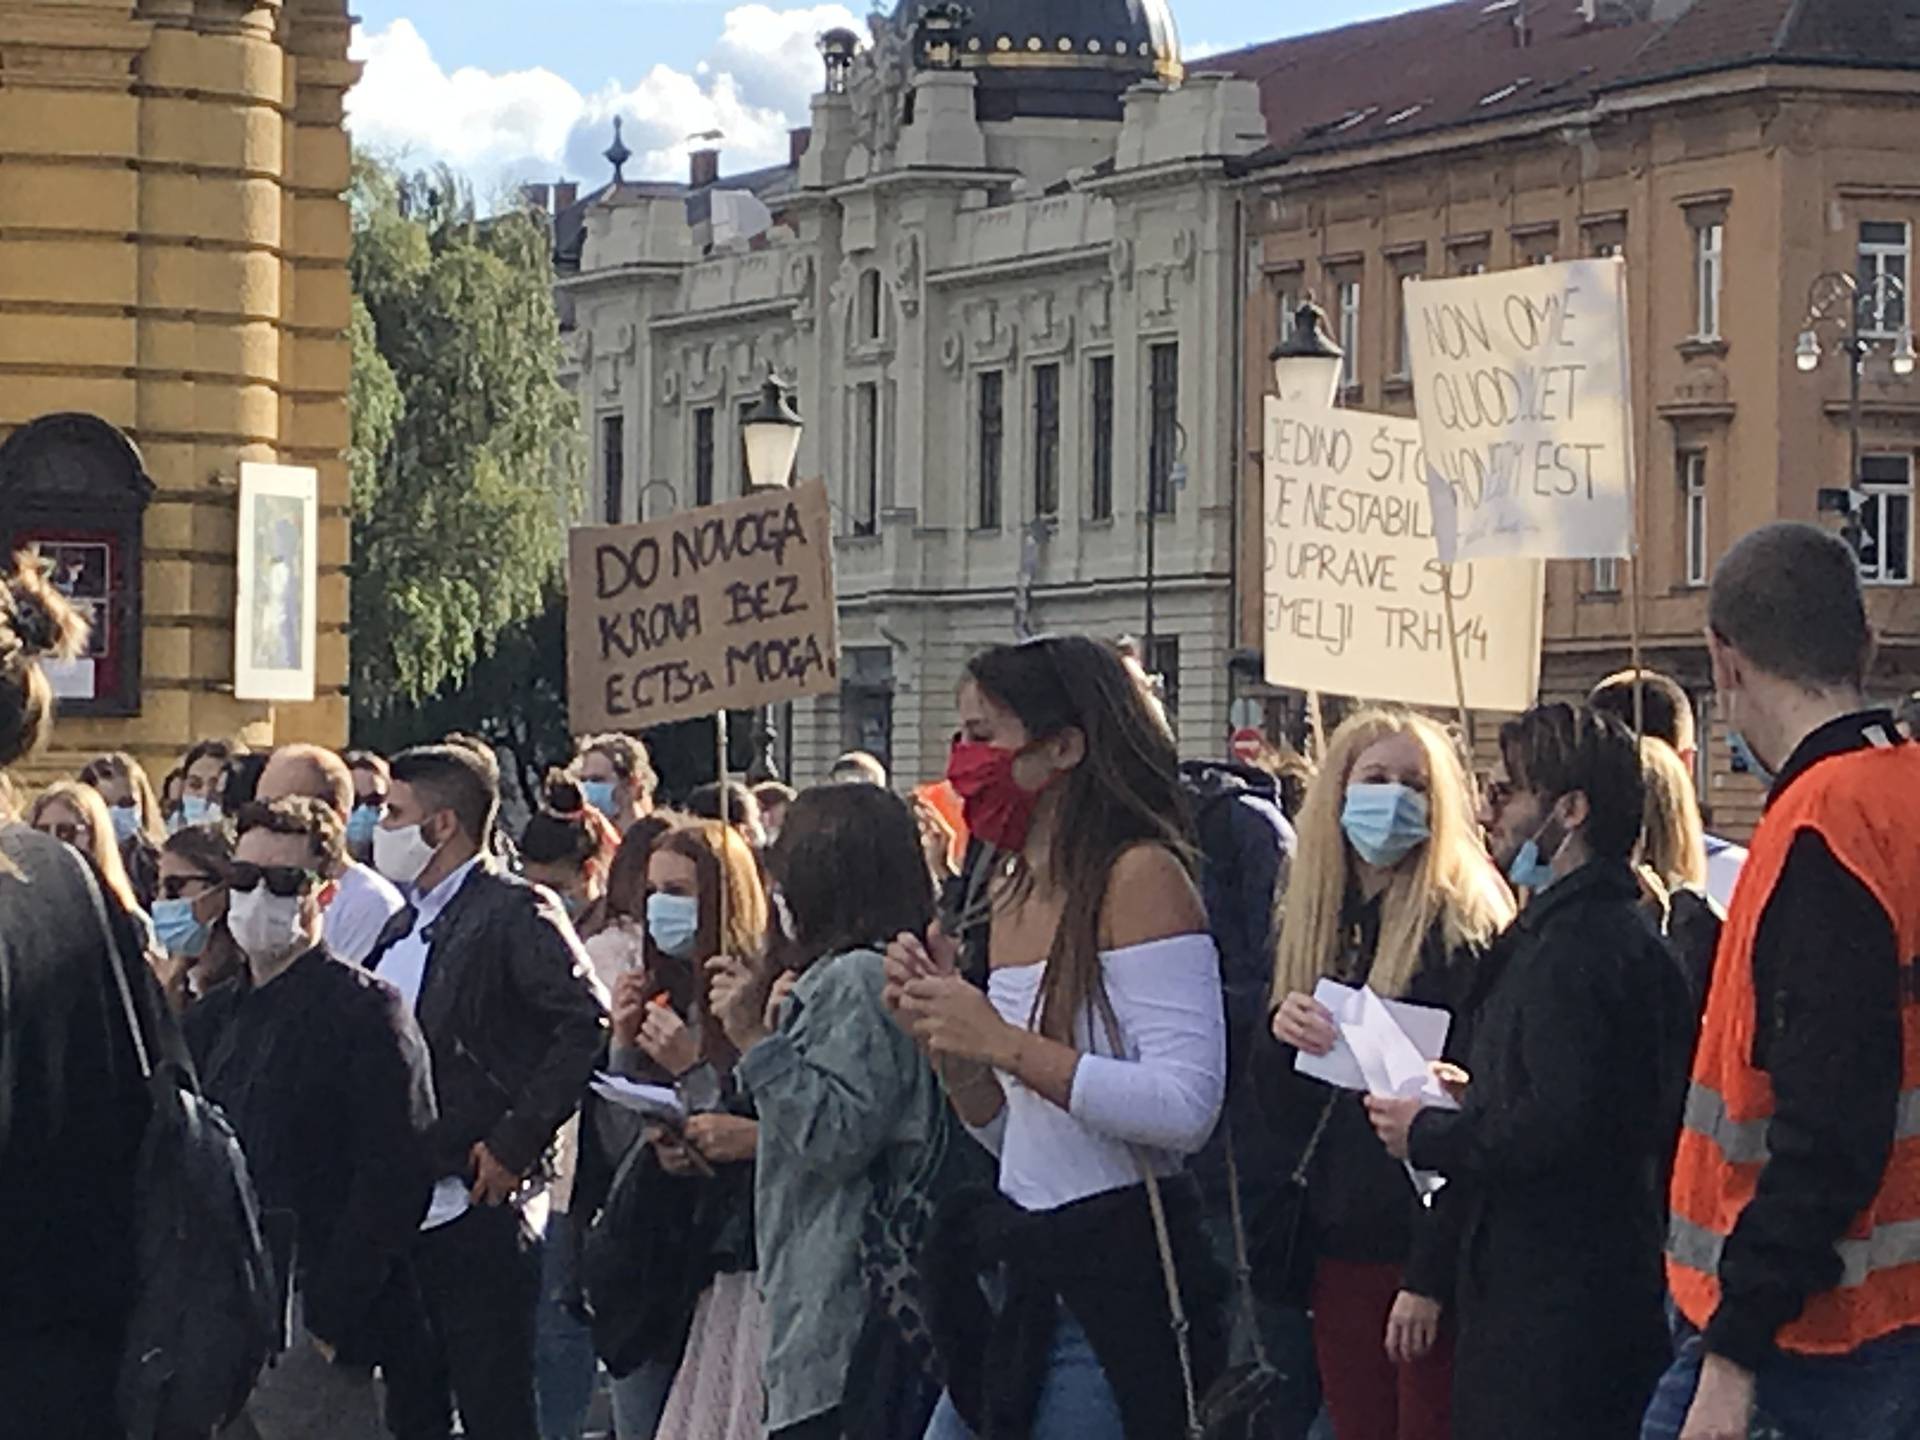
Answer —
(466, 460)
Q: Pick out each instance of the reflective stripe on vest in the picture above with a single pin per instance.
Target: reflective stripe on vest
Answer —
(1862, 805)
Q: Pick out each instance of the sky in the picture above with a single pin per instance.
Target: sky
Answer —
(513, 90)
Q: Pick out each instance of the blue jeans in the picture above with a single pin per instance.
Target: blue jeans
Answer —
(1076, 1402)
(1871, 1394)
(565, 1367)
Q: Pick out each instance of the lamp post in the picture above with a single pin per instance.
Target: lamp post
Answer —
(1307, 364)
(771, 432)
(1840, 304)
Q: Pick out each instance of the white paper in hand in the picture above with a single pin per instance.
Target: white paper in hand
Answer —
(656, 1102)
(1386, 1047)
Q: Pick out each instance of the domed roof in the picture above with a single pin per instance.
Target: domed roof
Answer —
(1061, 57)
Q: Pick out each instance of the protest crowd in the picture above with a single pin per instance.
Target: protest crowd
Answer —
(1152, 1100)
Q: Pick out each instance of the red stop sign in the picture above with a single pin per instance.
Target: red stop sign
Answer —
(1247, 745)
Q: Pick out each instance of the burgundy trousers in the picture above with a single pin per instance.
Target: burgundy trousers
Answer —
(1368, 1396)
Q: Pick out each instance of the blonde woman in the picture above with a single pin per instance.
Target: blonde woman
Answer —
(1673, 846)
(75, 815)
(1390, 889)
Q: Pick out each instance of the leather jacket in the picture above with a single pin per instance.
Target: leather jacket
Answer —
(511, 1017)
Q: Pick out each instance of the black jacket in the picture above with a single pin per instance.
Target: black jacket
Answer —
(1361, 1205)
(1578, 1065)
(511, 1018)
(325, 1078)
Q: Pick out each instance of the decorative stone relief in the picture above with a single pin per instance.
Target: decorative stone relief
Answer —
(877, 86)
(1048, 330)
(705, 372)
(800, 282)
(906, 273)
(990, 338)
(953, 350)
(1120, 262)
(1096, 303)
(611, 358)
(670, 387)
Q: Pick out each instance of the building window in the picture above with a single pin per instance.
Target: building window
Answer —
(1163, 669)
(871, 317)
(1286, 305)
(703, 455)
(1606, 575)
(866, 701)
(1885, 518)
(1886, 247)
(1693, 500)
(1405, 268)
(1100, 490)
(1606, 239)
(1163, 435)
(1046, 440)
(992, 438)
(1538, 247)
(866, 460)
(1468, 257)
(1709, 239)
(613, 468)
(1347, 312)
(1703, 719)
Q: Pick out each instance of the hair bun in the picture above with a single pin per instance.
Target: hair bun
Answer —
(42, 622)
(562, 796)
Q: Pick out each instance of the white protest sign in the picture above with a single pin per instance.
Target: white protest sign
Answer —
(1520, 380)
(1354, 598)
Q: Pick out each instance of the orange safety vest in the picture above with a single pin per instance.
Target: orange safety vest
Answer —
(1866, 805)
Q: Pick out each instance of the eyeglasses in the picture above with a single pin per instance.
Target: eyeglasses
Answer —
(66, 833)
(174, 887)
(286, 881)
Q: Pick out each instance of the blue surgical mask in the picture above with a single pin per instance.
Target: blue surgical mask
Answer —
(599, 794)
(198, 810)
(126, 822)
(1744, 757)
(1384, 822)
(1532, 867)
(179, 929)
(674, 923)
(361, 824)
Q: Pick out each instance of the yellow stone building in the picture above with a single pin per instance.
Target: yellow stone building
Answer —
(174, 302)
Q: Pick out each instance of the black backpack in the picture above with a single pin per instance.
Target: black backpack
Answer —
(207, 1313)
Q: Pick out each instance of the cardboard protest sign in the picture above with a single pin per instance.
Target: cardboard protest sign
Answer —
(1354, 598)
(1520, 380)
(722, 608)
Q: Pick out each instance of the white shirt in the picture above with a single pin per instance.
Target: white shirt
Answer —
(404, 966)
(1162, 1094)
(363, 902)
(1724, 859)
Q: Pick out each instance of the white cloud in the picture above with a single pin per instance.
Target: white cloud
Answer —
(501, 128)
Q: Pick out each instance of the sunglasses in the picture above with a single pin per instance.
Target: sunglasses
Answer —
(376, 799)
(286, 881)
(174, 887)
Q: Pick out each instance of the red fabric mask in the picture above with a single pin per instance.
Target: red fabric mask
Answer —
(995, 806)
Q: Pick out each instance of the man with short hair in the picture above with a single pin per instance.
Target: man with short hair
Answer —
(323, 1073)
(1577, 1064)
(511, 1016)
(362, 902)
(773, 797)
(1667, 714)
(1794, 1254)
(734, 803)
(617, 778)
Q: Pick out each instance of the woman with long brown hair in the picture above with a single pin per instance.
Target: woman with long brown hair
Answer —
(705, 899)
(1391, 890)
(1093, 1063)
(75, 814)
(138, 825)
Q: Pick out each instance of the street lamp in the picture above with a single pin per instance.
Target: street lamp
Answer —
(772, 433)
(1307, 364)
(837, 49)
(1838, 303)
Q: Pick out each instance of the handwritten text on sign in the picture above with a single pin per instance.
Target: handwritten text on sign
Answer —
(1520, 380)
(725, 607)
(1354, 594)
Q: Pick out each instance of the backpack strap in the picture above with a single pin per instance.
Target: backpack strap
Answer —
(120, 980)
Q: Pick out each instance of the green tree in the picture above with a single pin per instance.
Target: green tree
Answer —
(466, 459)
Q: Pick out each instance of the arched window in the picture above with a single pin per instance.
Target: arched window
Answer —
(73, 488)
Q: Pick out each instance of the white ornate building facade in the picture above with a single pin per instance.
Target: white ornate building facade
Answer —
(1003, 276)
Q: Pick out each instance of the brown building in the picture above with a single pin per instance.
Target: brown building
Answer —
(173, 303)
(1732, 151)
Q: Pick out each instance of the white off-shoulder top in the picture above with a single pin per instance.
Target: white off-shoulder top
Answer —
(1162, 1093)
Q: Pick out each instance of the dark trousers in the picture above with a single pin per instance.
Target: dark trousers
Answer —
(58, 1385)
(820, 1427)
(479, 1281)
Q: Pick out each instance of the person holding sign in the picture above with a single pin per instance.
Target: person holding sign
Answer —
(1390, 889)
(1095, 1061)
(1577, 1066)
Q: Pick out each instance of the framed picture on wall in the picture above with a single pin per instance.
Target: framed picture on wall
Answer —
(274, 632)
